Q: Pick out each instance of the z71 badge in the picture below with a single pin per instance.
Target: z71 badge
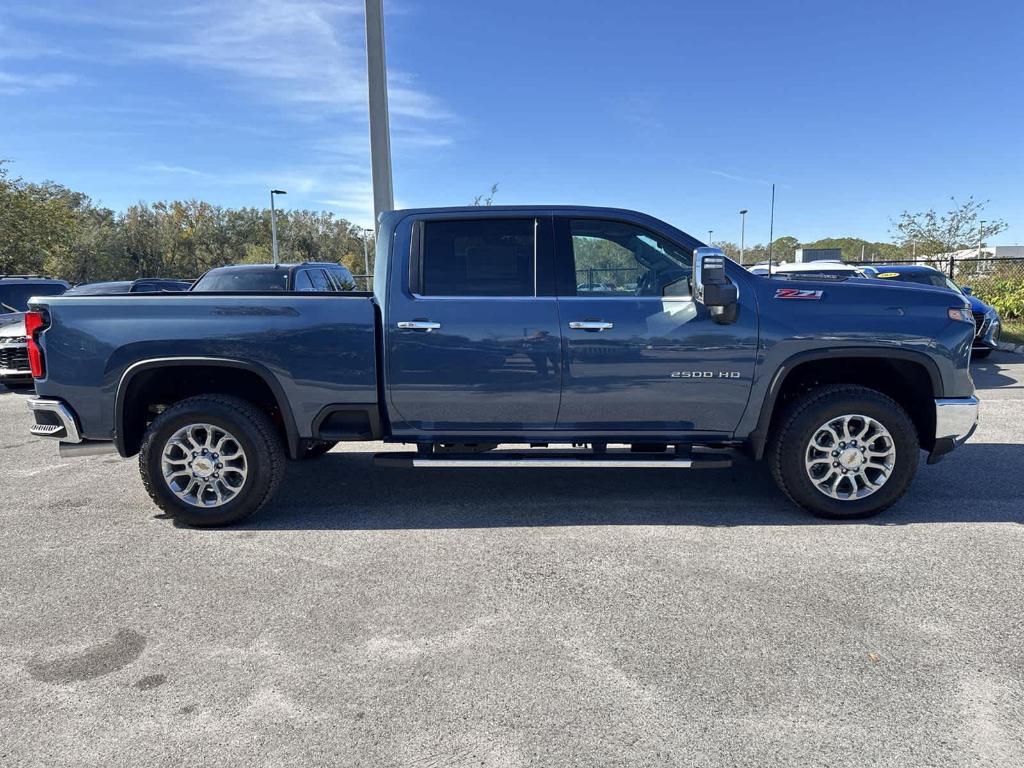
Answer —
(798, 293)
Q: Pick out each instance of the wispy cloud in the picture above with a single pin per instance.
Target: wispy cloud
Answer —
(301, 61)
(739, 178)
(180, 169)
(14, 83)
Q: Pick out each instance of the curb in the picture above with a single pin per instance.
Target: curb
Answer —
(1006, 346)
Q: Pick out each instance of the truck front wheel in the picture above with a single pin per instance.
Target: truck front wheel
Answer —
(844, 452)
(211, 460)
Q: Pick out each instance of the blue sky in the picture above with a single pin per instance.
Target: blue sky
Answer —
(857, 110)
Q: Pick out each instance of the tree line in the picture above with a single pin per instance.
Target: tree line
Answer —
(915, 235)
(46, 228)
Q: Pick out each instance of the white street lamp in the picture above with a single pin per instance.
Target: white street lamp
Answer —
(743, 231)
(273, 222)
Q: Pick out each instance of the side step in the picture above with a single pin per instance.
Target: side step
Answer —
(553, 460)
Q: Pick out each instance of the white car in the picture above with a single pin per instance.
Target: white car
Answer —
(827, 269)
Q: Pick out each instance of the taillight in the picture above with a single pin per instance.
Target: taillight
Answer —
(35, 321)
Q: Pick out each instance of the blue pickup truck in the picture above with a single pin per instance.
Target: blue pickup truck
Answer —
(522, 337)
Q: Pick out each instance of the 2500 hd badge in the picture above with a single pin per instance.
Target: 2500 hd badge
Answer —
(705, 375)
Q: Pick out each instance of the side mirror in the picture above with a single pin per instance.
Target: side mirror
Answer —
(711, 287)
(968, 291)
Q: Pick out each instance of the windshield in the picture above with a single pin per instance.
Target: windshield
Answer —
(94, 289)
(244, 280)
(14, 296)
(922, 278)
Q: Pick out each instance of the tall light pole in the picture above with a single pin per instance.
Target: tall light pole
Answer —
(709, 236)
(743, 231)
(981, 236)
(273, 222)
(366, 249)
(380, 133)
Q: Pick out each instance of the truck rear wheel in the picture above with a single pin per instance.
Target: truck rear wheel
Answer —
(844, 452)
(211, 460)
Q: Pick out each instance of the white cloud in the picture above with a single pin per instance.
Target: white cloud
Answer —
(737, 177)
(303, 61)
(14, 83)
(166, 168)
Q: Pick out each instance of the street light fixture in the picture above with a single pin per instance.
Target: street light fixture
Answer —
(365, 231)
(709, 236)
(273, 222)
(743, 230)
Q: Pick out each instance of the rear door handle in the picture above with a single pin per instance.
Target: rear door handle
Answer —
(590, 325)
(418, 325)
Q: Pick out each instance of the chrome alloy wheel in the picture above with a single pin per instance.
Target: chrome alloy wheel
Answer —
(850, 457)
(204, 465)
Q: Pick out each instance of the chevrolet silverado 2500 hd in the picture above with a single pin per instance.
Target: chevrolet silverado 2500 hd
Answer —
(602, 329)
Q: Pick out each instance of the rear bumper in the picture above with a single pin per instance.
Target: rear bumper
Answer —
(956, 418)
(54, 419)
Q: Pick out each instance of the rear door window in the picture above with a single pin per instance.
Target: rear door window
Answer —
(302, 281)
(477, 257)
(319, 280)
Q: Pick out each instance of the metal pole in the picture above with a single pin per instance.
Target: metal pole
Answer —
(743, 230)
(981, 236)
(771, 231)
(366, 251)
(709, 236)
(380, 133)
(273, 227)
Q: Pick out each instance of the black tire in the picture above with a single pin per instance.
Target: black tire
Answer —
(798, 425)
(313, 449)
(255, 433)
(980, 354)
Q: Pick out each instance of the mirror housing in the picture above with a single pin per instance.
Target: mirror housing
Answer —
(968, 291)
(711, 286)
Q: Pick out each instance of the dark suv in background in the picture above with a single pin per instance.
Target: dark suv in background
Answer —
(15, 291)
(311, 277)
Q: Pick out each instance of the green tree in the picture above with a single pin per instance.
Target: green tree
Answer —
(959, 228)
(36, 224)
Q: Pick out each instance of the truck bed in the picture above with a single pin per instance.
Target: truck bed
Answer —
(320, 349)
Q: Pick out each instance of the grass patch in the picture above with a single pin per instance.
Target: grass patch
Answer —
(1012, 331)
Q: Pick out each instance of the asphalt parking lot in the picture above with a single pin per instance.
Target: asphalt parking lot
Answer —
(377, 617)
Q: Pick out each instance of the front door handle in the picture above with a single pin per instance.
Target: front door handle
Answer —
(590, 325)
(418, 325)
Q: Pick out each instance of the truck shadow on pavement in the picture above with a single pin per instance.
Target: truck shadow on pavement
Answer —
(343, 490)
(988, 373)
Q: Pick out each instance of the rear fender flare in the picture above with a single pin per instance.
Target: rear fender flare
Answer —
(291, 432)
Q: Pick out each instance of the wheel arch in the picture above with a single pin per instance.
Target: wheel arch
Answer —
(903, 374)
(128, 428)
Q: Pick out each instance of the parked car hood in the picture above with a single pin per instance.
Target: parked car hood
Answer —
(12, 324)
(977, 305)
